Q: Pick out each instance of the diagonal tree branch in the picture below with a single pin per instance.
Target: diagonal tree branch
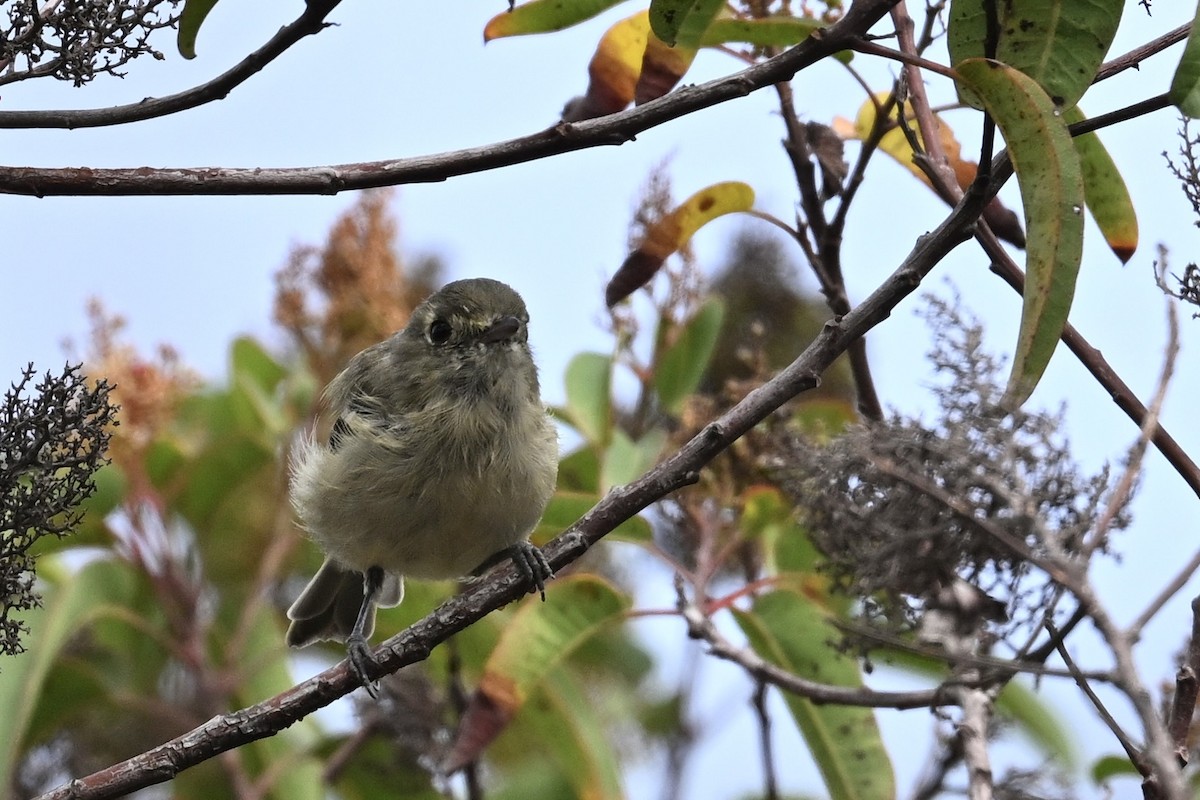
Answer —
(237, 728)
(563, 138)
(311, 22)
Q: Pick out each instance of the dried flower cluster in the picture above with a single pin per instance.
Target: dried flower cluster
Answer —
(905, 512)
(52, 441)
(352, 292)
(1187, 171)
(76, 40)
(147, 390)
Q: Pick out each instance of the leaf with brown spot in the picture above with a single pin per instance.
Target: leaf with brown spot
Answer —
(1048, 172)
(673, 231)
(1059, 45)
(682, 22)
(1105, 192)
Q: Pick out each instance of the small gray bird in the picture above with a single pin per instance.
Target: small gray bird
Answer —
(440, 463)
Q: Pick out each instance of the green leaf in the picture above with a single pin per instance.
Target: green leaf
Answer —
(682, 22)
(268, 674)
(791, 631)
(1033, 717)
(248, 359)
(533, 643)
(1051, 182)
(217, 474)
(260, 406)
(770, 517)
(764, 32)
(1108, 767)
(540, 635)
(625, 459)
(574, 735)
(579, 470)
(1060, 45)
(680, 367)
(1104, 189)
(92, 530)
(1185, 86)
(589, 377)
(566, 507)
(194, 13)
(543, 16)
(70, 603)
(775, 31)
(1037, 722)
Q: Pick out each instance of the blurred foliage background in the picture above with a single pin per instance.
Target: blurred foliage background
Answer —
(166, 607)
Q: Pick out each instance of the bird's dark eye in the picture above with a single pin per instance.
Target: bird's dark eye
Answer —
(439, 331)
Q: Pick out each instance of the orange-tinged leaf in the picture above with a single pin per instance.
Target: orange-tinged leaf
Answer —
(1105, 191)
(895, 143)
(543, 16)
(1047, 168)
(614, 70)
(662, 67)
(673, 231)
(537, 639)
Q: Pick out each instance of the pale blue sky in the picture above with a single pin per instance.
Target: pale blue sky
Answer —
(394, 80)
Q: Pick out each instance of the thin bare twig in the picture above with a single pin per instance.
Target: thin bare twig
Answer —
(1173, 586)
(701, 627)
(770, 780)
(1187, 688)
(562, 138)
(310, 22)
(1123, 488)
(1131, 750)
(1134, 58)
(824, 256)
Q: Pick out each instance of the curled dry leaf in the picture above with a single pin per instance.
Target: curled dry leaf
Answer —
(630, 64)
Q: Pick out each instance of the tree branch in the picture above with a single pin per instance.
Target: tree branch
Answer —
(310, 22)
(562, 138)
(415, 643)
(701, 627)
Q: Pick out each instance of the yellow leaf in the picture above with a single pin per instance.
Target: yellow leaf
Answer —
(614, 70)
(673, 231)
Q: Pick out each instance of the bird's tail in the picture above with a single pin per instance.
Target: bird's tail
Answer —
(329, 605)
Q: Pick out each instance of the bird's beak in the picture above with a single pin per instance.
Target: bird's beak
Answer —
(501, 329)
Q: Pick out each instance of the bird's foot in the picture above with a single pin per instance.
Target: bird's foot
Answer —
(531, 562)
(358, 653)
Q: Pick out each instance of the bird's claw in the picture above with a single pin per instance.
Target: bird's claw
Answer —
(358, 652)
(533, 565)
